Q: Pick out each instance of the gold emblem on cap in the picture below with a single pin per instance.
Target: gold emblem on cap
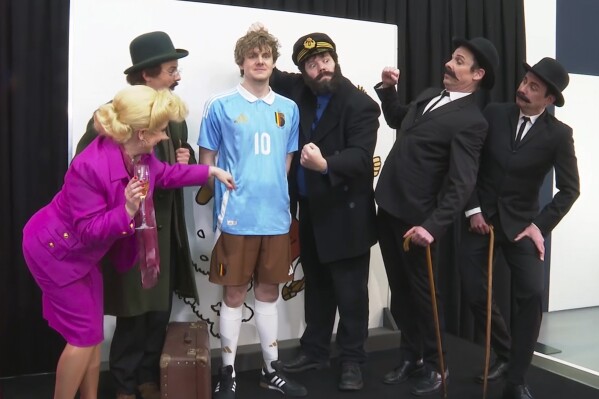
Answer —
(309, 43)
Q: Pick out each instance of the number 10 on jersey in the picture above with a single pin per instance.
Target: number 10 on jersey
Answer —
(261, 143)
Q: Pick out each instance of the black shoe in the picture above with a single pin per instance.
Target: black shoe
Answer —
(430, 383)
(403, 372)
(351, 377)
(496, 372)
(225, 387)
(280, 382)
(521, 391)
(302, 363)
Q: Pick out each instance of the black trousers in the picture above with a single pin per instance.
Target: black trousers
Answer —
(407, 273)
(137, 343)
(527, 275)
(136, 348)
(340, 285)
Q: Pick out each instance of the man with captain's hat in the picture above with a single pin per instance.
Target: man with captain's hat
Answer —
(425, 182)
(524, 143)
(331, 181)
(143, 314)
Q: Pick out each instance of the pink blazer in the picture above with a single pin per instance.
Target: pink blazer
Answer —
(87, 219)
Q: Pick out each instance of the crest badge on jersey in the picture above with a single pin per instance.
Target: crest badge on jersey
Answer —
(280, 119)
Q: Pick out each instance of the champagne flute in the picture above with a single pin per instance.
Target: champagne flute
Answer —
(142, 172)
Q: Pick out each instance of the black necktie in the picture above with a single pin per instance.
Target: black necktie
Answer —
(525, 120)
(444, 94)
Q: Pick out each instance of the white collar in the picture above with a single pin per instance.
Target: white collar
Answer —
(533, 118)
(456, 95)
(268, 99)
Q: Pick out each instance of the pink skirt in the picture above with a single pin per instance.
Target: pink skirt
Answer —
(75, 310)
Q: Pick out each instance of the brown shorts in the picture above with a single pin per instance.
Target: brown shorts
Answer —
(235, 259)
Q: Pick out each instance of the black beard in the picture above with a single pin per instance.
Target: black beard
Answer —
(327, 86)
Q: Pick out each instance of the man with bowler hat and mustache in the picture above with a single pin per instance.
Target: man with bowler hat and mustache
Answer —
(425, 183)
(524, 143)
(143, 314)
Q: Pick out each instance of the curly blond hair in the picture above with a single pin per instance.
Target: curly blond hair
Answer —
(139, 107)
(256, 39)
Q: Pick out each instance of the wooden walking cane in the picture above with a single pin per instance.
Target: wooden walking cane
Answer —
(431, 283)
(489, 301)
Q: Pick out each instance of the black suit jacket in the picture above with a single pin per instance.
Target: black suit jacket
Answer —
(341, 201)
(510, 179)
(431, 170)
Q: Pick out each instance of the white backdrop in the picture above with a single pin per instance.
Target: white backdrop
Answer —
(574, 271)
(100, 33)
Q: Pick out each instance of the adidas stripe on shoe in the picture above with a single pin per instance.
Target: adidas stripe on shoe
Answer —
(278, 381)
(226, 385)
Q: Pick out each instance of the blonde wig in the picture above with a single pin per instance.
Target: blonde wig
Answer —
(139, 107)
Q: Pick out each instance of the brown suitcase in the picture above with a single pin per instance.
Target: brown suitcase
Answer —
(185, 362)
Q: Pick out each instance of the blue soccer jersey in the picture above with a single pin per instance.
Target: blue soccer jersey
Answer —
(253, 138)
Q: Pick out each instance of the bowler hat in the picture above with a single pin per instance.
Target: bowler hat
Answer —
(313, 43)
(553, 74)
(151, 49)
(486, 56)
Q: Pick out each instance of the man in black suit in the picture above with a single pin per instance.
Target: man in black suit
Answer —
(426, 181)
(332, 180)
(523, 144)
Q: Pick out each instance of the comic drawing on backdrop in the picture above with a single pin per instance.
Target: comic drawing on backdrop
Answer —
(210, 39)
(204, 240)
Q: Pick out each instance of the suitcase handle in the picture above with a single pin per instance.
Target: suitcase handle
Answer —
(187, 338)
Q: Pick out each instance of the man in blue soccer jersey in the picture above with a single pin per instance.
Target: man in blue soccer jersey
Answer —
(254, 132)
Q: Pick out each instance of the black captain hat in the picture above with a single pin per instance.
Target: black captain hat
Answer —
(311, 44)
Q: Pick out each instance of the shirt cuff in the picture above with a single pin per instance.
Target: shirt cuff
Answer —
(472, 211)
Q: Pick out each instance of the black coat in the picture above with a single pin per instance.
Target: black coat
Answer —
(510, 179)
(341, 201)
(430, 172)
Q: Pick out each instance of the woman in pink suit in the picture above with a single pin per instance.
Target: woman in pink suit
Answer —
(94, 215)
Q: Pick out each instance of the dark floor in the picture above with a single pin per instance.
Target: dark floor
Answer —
(464, 360)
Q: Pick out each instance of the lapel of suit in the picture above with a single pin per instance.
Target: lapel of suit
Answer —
(116, 165)
(513, 125)
(330, 116)
(533, 132)
(415, 114)
(452, 106)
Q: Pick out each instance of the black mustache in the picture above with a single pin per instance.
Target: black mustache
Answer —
(323, 74)
(450, 73)
(522, 97)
